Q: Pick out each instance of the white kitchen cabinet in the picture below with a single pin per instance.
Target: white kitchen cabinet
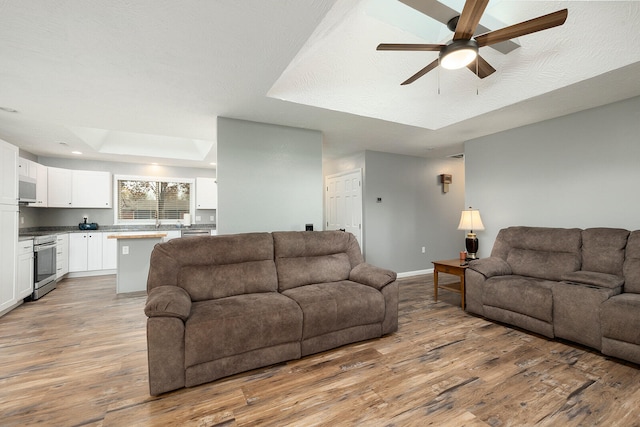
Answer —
(62, 255)
(109, 252)
(91, 189)
(78, 189)
(24, 280)
(58, 188)
(8, 174)
(8, 224)
(85, 252)
(206, 193)
(8, 258)
(42, 187)
(27, 167)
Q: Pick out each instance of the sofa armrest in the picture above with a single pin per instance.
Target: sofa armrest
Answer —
(489, 267)
(168, 301)
(370, 275)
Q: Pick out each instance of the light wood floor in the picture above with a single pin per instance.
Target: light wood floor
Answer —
(77, 357)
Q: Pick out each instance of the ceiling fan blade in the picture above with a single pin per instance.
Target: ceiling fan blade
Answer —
(527, 27)
(469, 19)
(421, 73)
(481, 68)
(401, 46)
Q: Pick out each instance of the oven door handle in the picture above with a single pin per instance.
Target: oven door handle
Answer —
(38, 248)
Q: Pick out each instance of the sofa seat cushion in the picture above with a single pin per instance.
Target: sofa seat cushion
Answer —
(330, 307)
(620, 317)
(238, 324)
(301, 271)
(592, 278)
(525, 295)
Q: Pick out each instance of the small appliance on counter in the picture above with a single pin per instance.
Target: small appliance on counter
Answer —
(88, 225)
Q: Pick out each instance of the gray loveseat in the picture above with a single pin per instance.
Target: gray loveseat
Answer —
(579, 285)
(225, 304)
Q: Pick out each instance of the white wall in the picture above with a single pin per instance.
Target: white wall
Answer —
(580, 170)
(414, 211)
(269, 177)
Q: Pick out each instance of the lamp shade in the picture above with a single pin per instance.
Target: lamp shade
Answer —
(470, 220)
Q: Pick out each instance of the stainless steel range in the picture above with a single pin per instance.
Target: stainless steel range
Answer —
(44, 265)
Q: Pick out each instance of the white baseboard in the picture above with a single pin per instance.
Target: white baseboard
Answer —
(415, 273)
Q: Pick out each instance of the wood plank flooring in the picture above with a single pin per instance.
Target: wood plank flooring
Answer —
(77, 357)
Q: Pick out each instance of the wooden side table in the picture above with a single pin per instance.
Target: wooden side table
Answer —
(449, 266)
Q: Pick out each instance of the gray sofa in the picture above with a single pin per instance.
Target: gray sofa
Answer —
(225, 304)
(579, 285)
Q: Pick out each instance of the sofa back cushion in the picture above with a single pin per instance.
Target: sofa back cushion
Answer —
(206, 282)
(308, 257)
(603, 250)
(542, 264)
(545, 253)
(216, 266)
(632, 264)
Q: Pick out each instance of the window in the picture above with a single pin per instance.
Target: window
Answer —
(147, 199)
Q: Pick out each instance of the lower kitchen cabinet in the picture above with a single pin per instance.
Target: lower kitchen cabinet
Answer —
(62, 255)
(24, 282)
(109, 252)
(85, 252)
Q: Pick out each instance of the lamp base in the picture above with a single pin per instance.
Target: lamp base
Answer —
(471, 243)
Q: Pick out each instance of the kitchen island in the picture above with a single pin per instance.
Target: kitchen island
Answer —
(134, 251)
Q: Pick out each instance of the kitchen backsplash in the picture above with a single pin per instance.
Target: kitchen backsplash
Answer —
(65, 217)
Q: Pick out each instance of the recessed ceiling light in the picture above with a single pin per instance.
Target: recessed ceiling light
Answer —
(154, 164)
(76, 152)
(212, 163)
(8, 110)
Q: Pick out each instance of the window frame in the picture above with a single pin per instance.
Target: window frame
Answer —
(116, 198)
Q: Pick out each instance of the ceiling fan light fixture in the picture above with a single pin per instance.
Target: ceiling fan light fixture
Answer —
(458, 54)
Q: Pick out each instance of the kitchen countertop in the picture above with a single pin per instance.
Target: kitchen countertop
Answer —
(29, 233)
(138, 236)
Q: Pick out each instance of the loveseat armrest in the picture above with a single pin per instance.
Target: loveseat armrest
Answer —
(373, 276)
(492, 266)
(168, 301)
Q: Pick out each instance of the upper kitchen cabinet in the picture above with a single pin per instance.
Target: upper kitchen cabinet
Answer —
(206, 193)
(27, 167)
(58, 188)
(42, 186)
(91, 189)
(79, 189)
(8, 174)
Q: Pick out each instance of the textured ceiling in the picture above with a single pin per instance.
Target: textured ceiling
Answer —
(144, 81)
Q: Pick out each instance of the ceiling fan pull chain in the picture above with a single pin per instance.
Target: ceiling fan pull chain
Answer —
(438, 71)
(477, 80)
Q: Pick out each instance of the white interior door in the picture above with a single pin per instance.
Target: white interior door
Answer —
(344, 203)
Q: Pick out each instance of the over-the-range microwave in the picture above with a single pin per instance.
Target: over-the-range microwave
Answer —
(26, 189)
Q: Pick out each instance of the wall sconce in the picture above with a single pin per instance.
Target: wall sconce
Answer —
(445, 180)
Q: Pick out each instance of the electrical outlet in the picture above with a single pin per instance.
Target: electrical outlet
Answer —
(125, 250)
(21, 220)
(198, 218)
(424, 250)
(212, 218)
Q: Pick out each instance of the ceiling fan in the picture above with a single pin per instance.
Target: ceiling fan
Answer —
(462, 51)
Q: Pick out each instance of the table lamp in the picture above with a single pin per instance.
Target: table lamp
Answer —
(470, 220)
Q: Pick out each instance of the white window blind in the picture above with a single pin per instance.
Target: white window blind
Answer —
(142, 199)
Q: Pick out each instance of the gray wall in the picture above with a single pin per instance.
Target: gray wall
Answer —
(580, 170)
(414, 211)
(55, 217)
(269, 177)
